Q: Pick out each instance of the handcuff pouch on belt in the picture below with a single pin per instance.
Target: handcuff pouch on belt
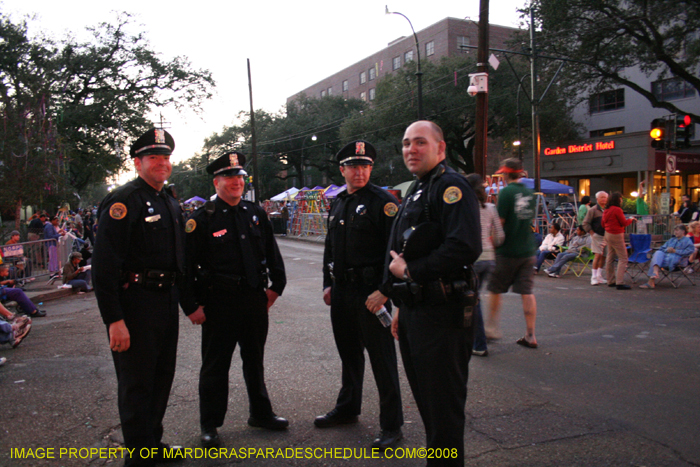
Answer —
(152, 279)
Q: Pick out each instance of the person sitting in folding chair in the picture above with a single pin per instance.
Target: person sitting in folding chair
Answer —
(550, 245)
(576, 245)
(669, 255)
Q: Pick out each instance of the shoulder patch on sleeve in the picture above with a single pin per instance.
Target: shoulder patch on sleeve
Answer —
(452, 195)
(390, 209)
(190, 226)
(117, 211)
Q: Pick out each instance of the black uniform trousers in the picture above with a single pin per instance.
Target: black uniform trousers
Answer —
(235, 316)
(145, 372)
(436, 360)
(355, 328)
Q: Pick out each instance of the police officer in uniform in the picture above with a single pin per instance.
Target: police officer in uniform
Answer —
(137, 262)
(359, 224)
(434, 289)
(231, 254)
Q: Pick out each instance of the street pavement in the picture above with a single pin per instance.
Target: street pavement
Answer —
(615, 382)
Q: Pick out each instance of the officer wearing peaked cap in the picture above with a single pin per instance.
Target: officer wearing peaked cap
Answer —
(231, 254)
(359, 224)
(138, 261)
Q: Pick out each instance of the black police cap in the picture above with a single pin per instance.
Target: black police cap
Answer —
(357, 153)
(155, 142)
(230, 163)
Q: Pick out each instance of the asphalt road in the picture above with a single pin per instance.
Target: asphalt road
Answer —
(615, 382)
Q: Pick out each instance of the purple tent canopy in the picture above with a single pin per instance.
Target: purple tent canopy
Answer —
(333, 192)
(195, 199)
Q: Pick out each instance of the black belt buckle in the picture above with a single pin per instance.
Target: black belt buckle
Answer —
(157, 279)
(227, 280)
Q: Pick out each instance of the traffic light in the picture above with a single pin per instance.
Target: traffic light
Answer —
(658, 133)
(682, 132)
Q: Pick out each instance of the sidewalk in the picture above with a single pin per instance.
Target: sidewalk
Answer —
(40, 290)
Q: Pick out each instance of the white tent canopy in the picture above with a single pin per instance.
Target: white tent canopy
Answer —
(285, 195)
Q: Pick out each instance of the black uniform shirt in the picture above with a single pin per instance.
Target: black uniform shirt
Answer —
(214, 246)
(359, 225)
(140, 228)
(453, 205)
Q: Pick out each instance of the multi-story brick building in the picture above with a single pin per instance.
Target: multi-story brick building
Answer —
(442, 39)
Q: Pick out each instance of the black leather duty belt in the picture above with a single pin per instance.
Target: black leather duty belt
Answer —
(369, 275)
(155, 279)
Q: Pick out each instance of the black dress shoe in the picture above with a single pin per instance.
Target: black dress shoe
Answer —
(387, 439)
(210, 438)
(273, 423)
(167, 454)
(333, 418)
(611, 284)
(623, 287)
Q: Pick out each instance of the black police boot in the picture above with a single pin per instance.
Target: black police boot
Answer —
(387, 439)
(274, 423)
(210, 438)
(334, 418)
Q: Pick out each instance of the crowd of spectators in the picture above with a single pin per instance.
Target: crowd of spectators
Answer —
(21, 258)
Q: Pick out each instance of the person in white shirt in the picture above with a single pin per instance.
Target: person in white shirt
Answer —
(552, 241)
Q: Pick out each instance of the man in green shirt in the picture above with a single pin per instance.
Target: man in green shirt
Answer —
(515, 258)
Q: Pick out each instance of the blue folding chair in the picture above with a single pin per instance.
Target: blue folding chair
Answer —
(640, 244)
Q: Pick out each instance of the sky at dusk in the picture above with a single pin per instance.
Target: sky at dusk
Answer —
(291, 45)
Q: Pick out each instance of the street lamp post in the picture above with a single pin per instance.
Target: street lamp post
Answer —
(517, 106)
(303, 143)
(419, 73)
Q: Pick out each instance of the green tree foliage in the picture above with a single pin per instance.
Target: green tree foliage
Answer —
(659, 37)
(285, 137)
(285, 141)
(68, 108)
(447, 103)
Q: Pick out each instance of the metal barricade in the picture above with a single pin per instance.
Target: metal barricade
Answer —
(312, 224)
(37, 258)
(660, 226)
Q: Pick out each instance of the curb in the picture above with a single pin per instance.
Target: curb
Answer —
(46, 296)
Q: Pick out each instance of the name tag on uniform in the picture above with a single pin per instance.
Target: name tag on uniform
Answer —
(220, 233)
(153, 218)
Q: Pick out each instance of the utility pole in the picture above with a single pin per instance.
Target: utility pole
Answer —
(536, 143)
(254, 156)
(482, 98)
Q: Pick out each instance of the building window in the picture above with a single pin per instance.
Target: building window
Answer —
(607, 132)
(605, 101)
(563, 182)
(372, 94)
(629, 184)
(323, 93)
(462, 41)
(330, 91)
(396, 63)
(363, 96)
(672, 89)
(363, 77)
(429, 48)
(345, 85)
(584, 187)
(372, 73)
(408, 56)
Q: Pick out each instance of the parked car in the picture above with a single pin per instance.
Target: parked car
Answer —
(565, 209)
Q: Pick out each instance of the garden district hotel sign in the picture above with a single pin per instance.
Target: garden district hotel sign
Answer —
(576, 148)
